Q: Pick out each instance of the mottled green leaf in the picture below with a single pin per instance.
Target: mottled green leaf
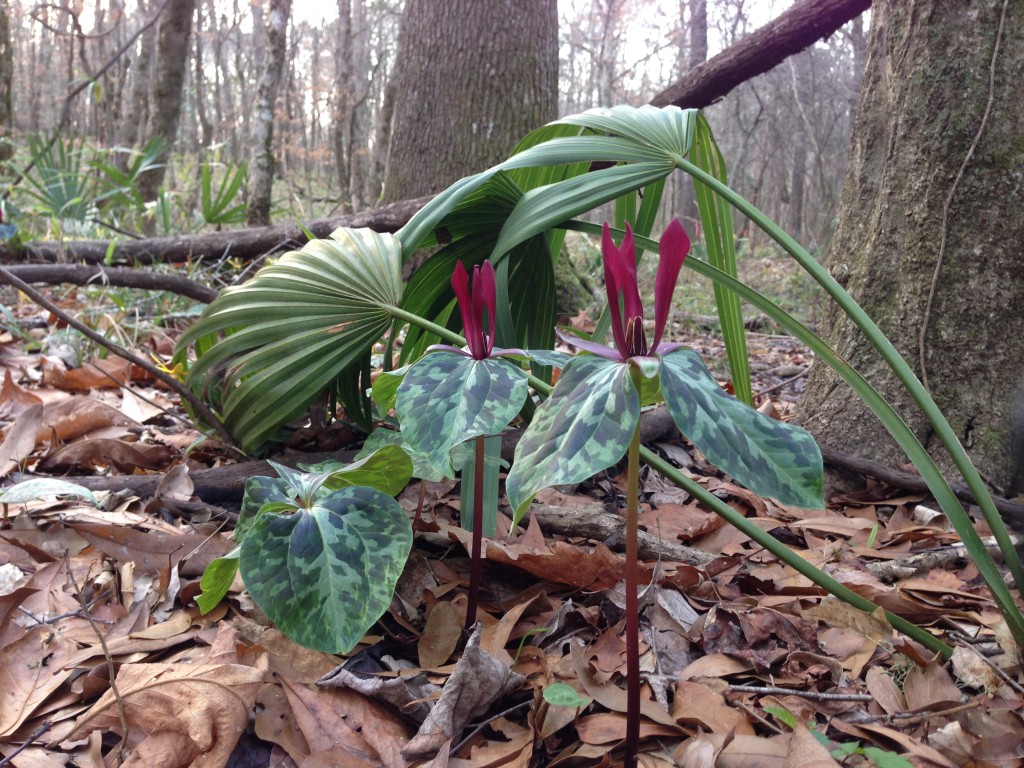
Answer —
(583, 427)
(258, 491)
(422, 465)
(549, 357)
(448, 398)
(387, 469)
(324, 575)
(768, 456)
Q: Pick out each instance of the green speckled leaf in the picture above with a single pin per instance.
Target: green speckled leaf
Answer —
(770, 457)
(326, 574)
(422, 465)
(39, 488)
(549, 357)
(584, 427)
(448, 398)
(387, 469)
(258, 491)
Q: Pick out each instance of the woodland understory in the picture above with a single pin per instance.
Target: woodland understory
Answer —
(124, 481)
(743, 659)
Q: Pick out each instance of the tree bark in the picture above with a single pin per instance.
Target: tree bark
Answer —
(798, 28)
(6, 83)
(261, 165)
(165, 96)
(472, 79)
(927, 206)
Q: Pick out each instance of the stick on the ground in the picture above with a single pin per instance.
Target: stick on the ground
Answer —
(184, 392)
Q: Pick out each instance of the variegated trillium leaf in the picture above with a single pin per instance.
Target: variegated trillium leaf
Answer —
(387, 469)
(325, 574)
(583, 427)
(448, 398)
(768, 456)
(422, 465)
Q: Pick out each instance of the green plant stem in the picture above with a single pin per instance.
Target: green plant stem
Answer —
(632, 743)
(900, 367)
(478, 532)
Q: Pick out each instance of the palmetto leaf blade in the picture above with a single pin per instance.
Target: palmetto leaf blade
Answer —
(293, 328)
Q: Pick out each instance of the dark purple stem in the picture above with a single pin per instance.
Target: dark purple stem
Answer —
(632, 743)
(478, 533)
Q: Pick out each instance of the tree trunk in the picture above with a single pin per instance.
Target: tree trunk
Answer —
(6, 82)
(472, 79)
(917, 143)
(261, 166)
(165, 95)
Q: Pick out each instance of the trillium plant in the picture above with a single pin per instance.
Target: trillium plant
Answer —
(591, 420)
(452, 395)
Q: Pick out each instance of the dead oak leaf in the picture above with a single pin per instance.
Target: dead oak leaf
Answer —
(31, 669)
(179, 714)
(477, 682)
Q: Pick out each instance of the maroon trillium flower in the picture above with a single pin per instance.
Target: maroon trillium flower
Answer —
(474, 305)
(624, 294)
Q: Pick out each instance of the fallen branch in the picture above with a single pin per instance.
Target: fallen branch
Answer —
(796, 29)
(124, 277)
(243, 244)
(1013, 514)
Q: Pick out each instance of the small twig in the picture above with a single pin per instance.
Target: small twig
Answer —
(200, 407)
(488, 721)
(949, 200)
(1000, 673)
(815, 695)
(910, 718)
(42, 728)
(784, 382)
(54, 619)
(111, 670)
(756, 716)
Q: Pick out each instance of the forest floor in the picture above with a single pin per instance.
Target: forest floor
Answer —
(746, 663)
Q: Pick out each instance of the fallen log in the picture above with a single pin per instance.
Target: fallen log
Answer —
(243, 244)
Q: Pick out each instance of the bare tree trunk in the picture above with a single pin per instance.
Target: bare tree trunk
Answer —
(165, 94)
(199, 91)
(800, 67)
(261, 165)
(6, 82)
(136, 108)
(696, 54)
(931, 206)
(472, 78)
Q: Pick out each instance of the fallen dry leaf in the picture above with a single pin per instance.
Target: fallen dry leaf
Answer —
(179, 714)
(31, 668)
(478, 681)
